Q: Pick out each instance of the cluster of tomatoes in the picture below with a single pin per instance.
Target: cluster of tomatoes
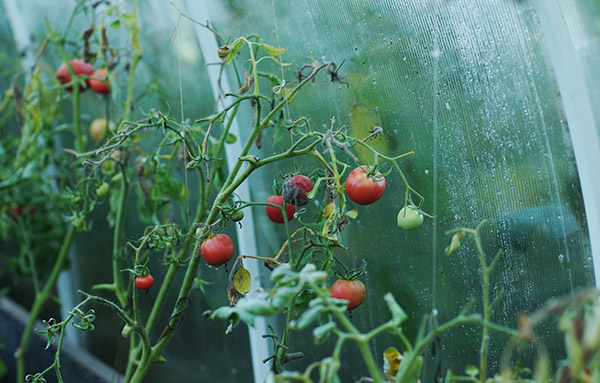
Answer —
(97, 80)
(363, 186)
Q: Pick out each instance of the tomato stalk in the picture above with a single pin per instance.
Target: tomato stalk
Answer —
(486, 270)
(229, 186)
(135, 59)
(40, 300)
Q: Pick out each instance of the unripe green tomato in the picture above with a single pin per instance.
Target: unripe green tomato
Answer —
(237, 215)
(103, 189)
(98, 128)
(117, 177)
(409, 218)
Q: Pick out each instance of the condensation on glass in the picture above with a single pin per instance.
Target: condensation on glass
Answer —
(469, 87)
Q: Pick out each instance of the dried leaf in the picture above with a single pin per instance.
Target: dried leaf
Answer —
(241, 280)
(391, 362)
(233, 295)
(455, 243)
(248, 81)
(328, 209)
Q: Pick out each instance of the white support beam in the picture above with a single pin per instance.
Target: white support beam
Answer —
(200, 10)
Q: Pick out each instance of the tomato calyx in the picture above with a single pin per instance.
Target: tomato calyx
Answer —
(234, 213)
(374, 172)
(143, 280)
(365, 185)
(349, 274)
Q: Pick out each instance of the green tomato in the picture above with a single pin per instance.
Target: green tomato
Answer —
(103, 189)
(409, 218)
(237, 215)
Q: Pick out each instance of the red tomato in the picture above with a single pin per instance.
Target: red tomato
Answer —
(80, 68)
(15, 212)
(275, 214)
(97, 84)
(217, 250)
(295, 188)
(144, 282)
(352, 291)
(362, 189)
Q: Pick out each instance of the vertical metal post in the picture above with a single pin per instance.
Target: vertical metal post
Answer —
(578, 109)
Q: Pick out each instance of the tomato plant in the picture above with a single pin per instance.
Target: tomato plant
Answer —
(409, 218)
(217, 250)
(275, 214)
(295, 188)
(80, 68)
(99, 82)
(362, 188)
(352, 291)
(181, 217)
(144, 282)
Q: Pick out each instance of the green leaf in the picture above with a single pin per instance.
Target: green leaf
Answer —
(471, 370)
(352, 213)
(241, 280)
(231, 138)
(233, 50)
(308, 317)
(116, 24)
(273, 50)
(284, 296)
(321, 333)
(395, 309)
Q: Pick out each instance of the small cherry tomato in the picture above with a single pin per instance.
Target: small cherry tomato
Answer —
(362, 189)
(275, 214)
(103, 189)
(409, 218)
(98, 128)
(15, 212)
(352, 291)
(99, 82)
(80, 68)
(144, 282)
(217, 250)
(295, 188)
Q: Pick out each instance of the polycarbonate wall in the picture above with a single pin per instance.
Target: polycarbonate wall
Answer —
(467, 84)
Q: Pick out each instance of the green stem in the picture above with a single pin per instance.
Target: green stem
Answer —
(485, 282)
(120, 290)
(137, 56)
(79, 137)
(285, 339)
(40, 300)
(228, 188)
